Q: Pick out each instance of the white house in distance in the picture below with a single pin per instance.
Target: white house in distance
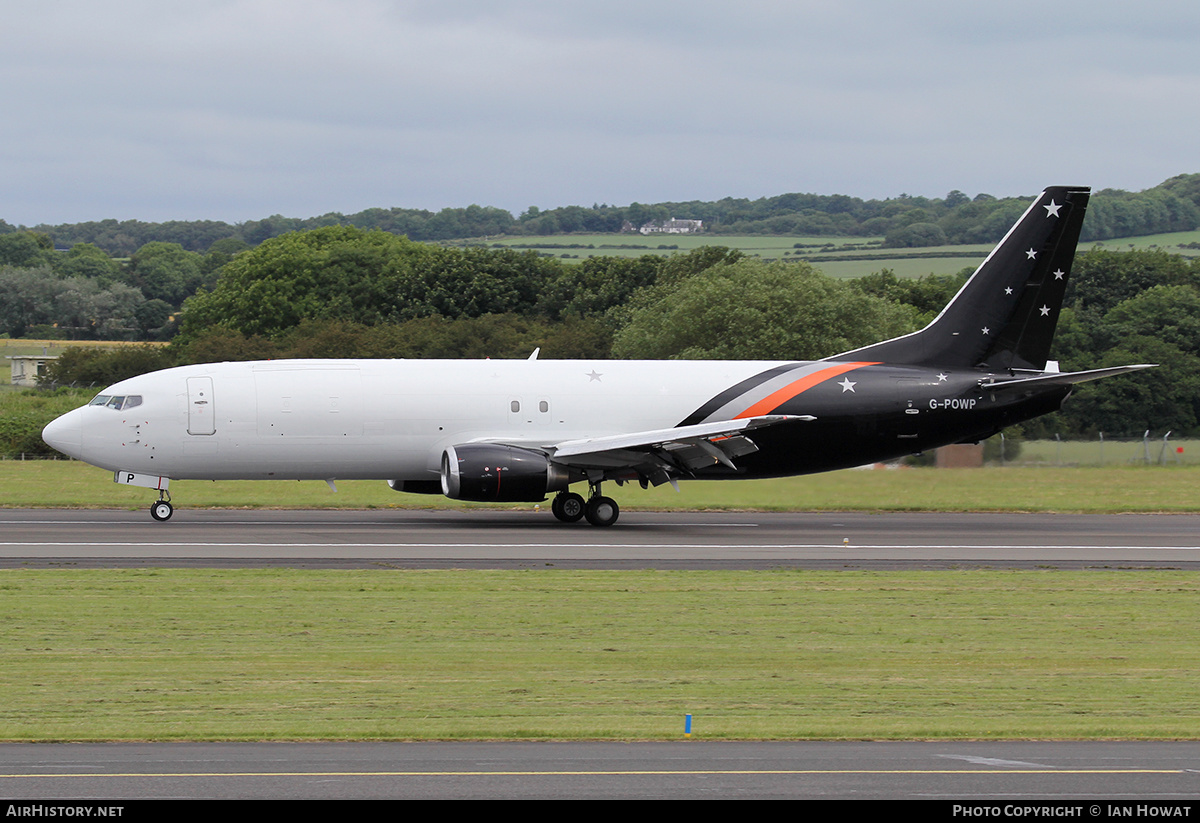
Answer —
(26, 368)
(672, 226)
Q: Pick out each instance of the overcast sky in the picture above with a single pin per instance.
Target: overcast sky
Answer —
(239, 109)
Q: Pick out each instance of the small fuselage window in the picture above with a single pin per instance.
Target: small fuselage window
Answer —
(117, 401)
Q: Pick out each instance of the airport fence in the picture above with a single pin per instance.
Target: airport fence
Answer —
(1151, 449)
(21, 456)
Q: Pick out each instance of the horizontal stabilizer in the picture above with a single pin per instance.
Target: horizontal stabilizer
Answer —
(1060, 378)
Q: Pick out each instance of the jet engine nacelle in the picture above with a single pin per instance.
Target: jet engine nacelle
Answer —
(487, 472)
(416, 486)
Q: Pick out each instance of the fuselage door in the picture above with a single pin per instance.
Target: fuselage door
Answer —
(201, 417)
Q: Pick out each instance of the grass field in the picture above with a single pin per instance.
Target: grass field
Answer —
(849, 267)
(387, 654)
(841, 257)
(635, 245)
(9, 346)
(282, 654)
(1065, 489)
(1172, 243)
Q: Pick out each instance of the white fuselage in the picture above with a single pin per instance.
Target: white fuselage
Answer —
(374, 419)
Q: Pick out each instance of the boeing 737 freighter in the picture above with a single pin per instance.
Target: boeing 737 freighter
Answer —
(520, 430)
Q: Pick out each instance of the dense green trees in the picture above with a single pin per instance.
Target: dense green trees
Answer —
(1102, 279)
(166, 271)
(88, 260)
(491, 335)
(38, 301)
(752, 310)
(915, 235)
(365, 277)
(100, 367)
(1131, 307)
(82, 293)
(26, 249)
(928, 295)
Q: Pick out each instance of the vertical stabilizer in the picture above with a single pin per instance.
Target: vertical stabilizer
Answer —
(1004, 316)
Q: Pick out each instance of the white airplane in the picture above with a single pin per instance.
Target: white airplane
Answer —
(519, 430)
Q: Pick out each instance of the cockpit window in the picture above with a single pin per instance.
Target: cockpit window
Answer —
(117, 402)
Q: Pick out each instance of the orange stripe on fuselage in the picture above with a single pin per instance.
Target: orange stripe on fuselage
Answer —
(776, 399)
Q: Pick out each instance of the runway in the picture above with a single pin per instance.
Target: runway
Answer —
(517, 539)
(992, 774)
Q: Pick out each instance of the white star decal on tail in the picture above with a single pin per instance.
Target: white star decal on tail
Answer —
(1008, 290)
(1045, 310)
(986, 330)
(1052, 209)
(1031, 254)
(1060, 274)
(847, 386)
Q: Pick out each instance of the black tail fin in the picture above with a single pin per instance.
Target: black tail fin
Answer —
(1004, 317)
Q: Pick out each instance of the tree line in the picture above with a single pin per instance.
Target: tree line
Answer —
(905, 221)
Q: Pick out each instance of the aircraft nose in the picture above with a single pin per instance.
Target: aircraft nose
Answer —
(65, 433)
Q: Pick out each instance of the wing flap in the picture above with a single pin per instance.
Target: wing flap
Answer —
(576, 452)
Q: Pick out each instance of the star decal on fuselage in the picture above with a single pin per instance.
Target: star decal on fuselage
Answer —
(847, 385)
(594, 376)
(942, 377)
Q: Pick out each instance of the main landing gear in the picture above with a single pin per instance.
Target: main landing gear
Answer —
(162, 508)
(599, 510)
(567, 507)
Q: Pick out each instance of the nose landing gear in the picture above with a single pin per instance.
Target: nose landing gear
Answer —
(162, 508)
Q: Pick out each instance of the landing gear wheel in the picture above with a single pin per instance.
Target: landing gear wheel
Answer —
(567, 507)
(162, 510)
(601, 511)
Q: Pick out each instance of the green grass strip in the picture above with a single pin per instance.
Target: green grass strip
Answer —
(550, 654)
(1089, 489)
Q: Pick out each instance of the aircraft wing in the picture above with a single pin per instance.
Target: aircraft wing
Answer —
(1059, 378)
(661, 454)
